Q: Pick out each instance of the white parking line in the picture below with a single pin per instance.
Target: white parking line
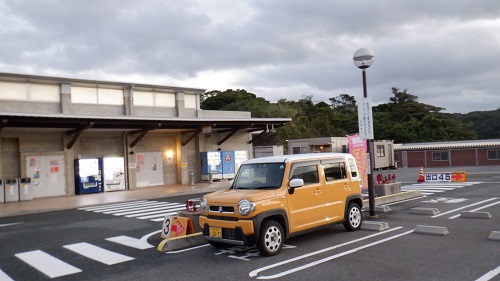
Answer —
(490, 275)
(4, 276)
(10, 224)
(311, 264)
(465, 207)
(255, 272)
(475, 210)
(47, 264)
(96, 253)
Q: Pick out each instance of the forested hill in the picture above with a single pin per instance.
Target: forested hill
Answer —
(485, 123)
(402, 119)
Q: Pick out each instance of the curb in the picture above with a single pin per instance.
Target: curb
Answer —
(434, 230)
(394, 197)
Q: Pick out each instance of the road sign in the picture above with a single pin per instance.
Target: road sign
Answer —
(365, 119)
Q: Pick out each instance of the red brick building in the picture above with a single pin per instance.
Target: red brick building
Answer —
(448, 154)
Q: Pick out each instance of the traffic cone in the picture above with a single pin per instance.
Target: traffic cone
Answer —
(421, 177)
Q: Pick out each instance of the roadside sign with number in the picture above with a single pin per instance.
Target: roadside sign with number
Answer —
(167, 224)
(438, 177)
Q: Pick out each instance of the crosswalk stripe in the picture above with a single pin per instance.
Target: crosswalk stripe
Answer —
(427, 188)
(157, 211)
(161, 217)
(4, 276)
(97, 253)
(47, 264)
(129, 207)
(172, 213)
(145, 209)
(93, 208)
(432, 188)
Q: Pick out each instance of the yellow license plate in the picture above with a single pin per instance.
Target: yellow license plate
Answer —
(215, 232)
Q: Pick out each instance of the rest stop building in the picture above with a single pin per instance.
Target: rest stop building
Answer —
(50, 123)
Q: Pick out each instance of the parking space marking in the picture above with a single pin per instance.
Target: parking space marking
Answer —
(4, 276)
(97, 253)
(490, 275)
(187, 249)
(311, 264)
(475, 210)
(10, 224)
(465, 207)
(255, 272)
(47, 264)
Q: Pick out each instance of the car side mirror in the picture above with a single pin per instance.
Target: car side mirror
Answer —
(295, 183)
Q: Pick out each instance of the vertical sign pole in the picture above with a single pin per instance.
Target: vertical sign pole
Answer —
(371, 189)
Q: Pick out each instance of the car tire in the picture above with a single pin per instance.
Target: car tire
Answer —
(271, 238)
(353, 218)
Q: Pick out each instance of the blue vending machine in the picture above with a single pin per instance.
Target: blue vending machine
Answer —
(88, 176)
(211, 163)
(228, 164)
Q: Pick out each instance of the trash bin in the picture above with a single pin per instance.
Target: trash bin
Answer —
(191, 178)
(11, 190)
(2, 195)
(25, 189)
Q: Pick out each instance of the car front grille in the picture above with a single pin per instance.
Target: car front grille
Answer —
(221, 209)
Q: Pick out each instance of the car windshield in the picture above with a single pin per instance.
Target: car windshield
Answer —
(259, 176)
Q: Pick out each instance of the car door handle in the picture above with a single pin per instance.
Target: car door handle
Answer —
(347, 187)
(318, 191)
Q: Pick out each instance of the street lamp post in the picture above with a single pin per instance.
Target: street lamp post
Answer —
(363, 58)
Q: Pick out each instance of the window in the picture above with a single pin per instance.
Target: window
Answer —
(88, 95)
(190, 101)
(296, 150)
(84, 95)
(440, 156)
(308, 173)
(29, 92)
(354, 168)
(335, 171)
(493, 154)
(380, 151)
(154, 99)
(110, 96)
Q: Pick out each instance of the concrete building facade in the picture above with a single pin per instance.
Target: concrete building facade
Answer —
(50, 121)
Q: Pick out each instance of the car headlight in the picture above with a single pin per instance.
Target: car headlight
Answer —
(203, 204)
(245, 207)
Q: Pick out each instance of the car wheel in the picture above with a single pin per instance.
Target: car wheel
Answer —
(271, 238)
(353, 217)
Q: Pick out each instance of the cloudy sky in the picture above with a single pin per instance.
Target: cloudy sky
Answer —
(444, 52)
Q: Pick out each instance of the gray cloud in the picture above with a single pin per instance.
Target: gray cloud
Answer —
(441, 51)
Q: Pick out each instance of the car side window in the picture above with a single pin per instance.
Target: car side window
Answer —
(308, 173)
(354, 170)
(335, 171)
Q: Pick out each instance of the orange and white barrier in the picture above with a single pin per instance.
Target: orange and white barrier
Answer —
(177, 233)
(175, 226)
(421, 175)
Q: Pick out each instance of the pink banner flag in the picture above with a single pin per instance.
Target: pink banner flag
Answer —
(357, 147)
